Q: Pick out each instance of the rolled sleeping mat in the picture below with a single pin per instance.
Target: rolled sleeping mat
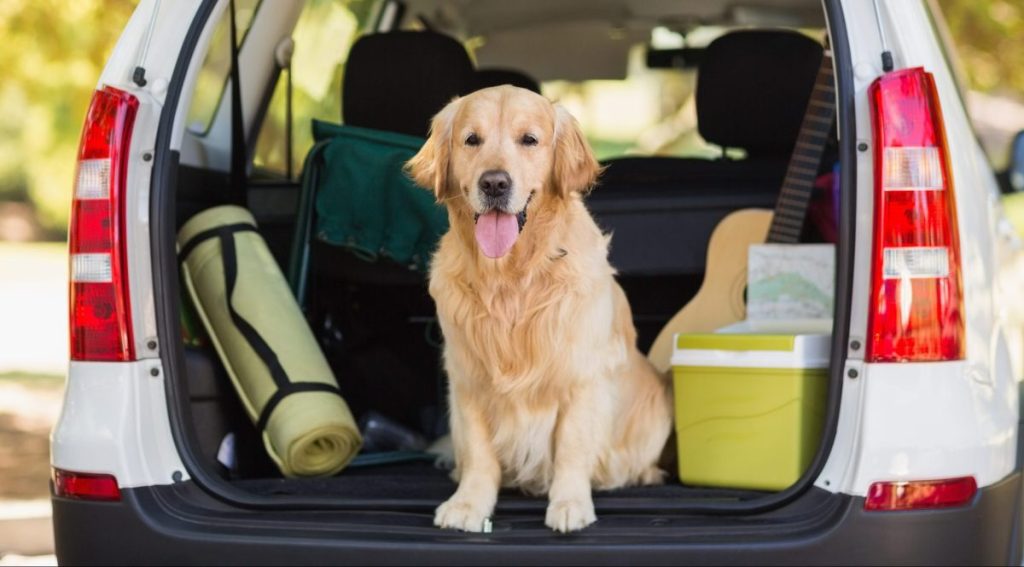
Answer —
(271, 355)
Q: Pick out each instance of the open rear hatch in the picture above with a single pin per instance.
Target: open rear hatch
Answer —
(376, 325)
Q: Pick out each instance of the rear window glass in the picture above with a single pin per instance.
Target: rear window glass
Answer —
(213, 75)
(662, 116)
(650, 112)
(323, 35)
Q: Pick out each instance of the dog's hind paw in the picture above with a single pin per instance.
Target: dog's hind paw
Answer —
(652, 476)
(461, 514)
(444, 453)
(570, 515)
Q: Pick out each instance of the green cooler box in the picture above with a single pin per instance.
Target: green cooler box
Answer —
(750, 404)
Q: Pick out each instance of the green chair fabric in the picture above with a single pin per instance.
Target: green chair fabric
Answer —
(356, 195)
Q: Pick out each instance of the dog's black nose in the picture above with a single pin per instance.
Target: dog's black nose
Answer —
(495, 183)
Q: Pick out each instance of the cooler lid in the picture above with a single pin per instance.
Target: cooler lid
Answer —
(759, 344)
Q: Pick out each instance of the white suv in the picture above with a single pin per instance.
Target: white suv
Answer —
(154, 460)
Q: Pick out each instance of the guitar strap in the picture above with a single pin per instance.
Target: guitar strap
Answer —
(798, 184)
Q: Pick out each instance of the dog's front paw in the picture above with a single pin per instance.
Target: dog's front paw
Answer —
(461, 514)
(570, 515)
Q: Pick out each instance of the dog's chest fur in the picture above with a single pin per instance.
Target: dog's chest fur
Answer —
(509, 328)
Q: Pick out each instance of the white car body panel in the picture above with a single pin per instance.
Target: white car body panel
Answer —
(935, 422)
(114, 421)
(171, 24)
(137, 228)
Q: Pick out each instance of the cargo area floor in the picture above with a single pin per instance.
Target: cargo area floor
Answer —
(423, 485)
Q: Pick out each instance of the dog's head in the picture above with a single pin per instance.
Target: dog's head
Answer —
(499, 152)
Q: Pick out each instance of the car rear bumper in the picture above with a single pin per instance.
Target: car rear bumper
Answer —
(157, 526)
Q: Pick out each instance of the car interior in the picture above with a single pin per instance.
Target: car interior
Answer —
(734, 76)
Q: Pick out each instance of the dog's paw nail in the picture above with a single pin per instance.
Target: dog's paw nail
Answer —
(461, 515)
(570, 515)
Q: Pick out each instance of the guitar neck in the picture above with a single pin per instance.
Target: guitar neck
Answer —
(798, 184)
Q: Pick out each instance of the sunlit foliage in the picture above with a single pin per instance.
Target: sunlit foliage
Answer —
(51, 54)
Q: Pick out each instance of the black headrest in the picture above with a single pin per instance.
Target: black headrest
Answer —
(397, 81)
(753, 87)
(495, 77)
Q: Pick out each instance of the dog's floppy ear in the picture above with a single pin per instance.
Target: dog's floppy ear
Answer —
(429, 167)
(575, 169)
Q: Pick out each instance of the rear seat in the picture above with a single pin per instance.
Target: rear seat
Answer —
(752, 89)
(397, 81)
(495, 77)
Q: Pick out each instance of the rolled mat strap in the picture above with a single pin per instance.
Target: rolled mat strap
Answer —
(209, 233)
(287, 390)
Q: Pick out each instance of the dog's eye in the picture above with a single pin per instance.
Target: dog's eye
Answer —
(472, 140)
(528, 140)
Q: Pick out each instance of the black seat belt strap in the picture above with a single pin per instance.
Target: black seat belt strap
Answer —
(239, 151)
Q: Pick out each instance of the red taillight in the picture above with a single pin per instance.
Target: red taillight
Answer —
(921, 494)
(916, 294)
(85, 486)
(100, 316)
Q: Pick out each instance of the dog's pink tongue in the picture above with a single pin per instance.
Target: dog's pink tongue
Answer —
(496, 232)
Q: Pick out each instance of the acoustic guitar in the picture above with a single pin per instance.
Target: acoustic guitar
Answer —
(720, 299)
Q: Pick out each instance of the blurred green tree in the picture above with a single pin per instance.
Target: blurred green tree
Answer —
(989, 37)
(50, 58)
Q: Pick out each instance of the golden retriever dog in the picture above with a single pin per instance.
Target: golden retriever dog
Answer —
(548, 390)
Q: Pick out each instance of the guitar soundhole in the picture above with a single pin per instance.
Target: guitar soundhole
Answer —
(739, 294)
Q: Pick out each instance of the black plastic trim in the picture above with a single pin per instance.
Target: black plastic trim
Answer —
(846, 120)
(163, 525)
(166, 284)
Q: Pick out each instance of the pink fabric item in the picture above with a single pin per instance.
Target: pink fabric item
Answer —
(822, 207)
